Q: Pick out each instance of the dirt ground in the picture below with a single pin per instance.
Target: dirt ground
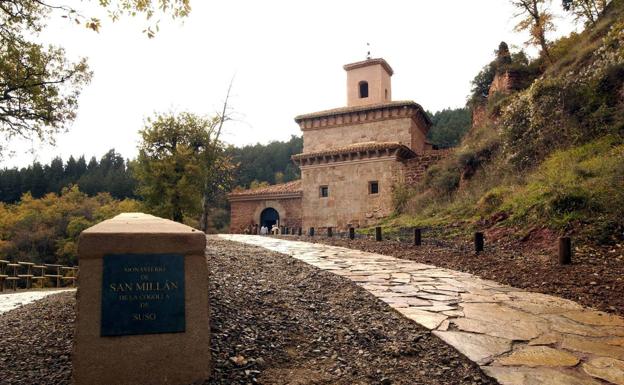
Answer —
(594, 279)
(275, 320)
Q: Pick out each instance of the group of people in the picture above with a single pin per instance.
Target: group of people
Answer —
(264, 230)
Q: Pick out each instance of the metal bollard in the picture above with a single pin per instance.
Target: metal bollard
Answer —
(565, 251)
(378, 234)
(479, 242)
(417, 237)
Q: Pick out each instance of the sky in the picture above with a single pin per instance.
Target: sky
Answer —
(285, 58)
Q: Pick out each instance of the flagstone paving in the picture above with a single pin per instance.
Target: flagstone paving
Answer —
(517, 337)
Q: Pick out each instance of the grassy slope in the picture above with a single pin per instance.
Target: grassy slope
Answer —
(578, 188)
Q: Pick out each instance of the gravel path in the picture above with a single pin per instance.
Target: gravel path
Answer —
(36, 341)
(275, 320)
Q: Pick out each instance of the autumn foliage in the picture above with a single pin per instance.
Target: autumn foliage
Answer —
(46, 230)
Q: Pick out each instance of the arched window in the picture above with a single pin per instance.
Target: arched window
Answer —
(363, 89)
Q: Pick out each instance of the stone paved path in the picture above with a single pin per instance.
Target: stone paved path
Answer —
(12, 300)
(517, 337)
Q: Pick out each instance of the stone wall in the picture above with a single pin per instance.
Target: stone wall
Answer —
(415, 168)
(247, 212)
(403, 130)
(349, 201)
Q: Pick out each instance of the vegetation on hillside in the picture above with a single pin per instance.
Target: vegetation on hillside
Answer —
(46, 230)
(550, 155)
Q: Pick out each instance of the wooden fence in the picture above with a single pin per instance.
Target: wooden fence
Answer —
(28, 275)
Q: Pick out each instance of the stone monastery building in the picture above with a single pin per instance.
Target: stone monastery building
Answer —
(352, 158)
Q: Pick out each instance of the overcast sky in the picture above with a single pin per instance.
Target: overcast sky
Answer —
(286, 58)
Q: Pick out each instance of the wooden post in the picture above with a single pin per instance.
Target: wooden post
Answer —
(417, 237)
(565, 251)
(311, 231)
(378, 233)
(479, 242)
(330, 232)
(351, 233)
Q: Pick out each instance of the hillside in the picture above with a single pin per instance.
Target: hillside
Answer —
(546, 157)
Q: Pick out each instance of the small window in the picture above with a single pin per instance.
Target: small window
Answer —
(363, 89)
(324, 191)
(373, 187)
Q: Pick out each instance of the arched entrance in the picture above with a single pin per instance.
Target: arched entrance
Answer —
(269, 217)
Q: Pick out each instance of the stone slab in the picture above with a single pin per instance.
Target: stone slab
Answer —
(537, 376)
(532, 356)
(592, 345)
(606, 369)
(156, 359)
(430, 320)
(479, 348)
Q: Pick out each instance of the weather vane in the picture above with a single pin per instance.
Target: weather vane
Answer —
(368, 54)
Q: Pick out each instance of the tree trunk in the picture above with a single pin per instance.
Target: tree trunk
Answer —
(203, 220)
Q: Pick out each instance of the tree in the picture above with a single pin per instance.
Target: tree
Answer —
(171, 168)
(219, 172)
(46, 230)
(449, 126)
(537, 20)
(503, 57)
(588, 10)
(39, 87)
(262, 162)
(481, 85)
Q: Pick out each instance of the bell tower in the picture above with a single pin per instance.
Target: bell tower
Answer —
(368, 82)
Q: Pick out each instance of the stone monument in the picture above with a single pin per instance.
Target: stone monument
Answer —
(142, 309)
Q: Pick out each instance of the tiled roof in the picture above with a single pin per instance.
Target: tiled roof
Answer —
(406, 152)
(368, 62)
(346, 110)
(276, 189)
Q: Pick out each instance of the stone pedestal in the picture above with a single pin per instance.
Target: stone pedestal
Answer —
(142, 310)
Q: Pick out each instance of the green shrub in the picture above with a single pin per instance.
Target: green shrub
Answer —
(492, 200)
(442, 178)
(401, 194)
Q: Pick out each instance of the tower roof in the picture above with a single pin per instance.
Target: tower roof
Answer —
(406, 104)
(369, 62)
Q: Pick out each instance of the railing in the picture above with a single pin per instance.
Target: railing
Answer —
(25, 274)
(414, 236)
